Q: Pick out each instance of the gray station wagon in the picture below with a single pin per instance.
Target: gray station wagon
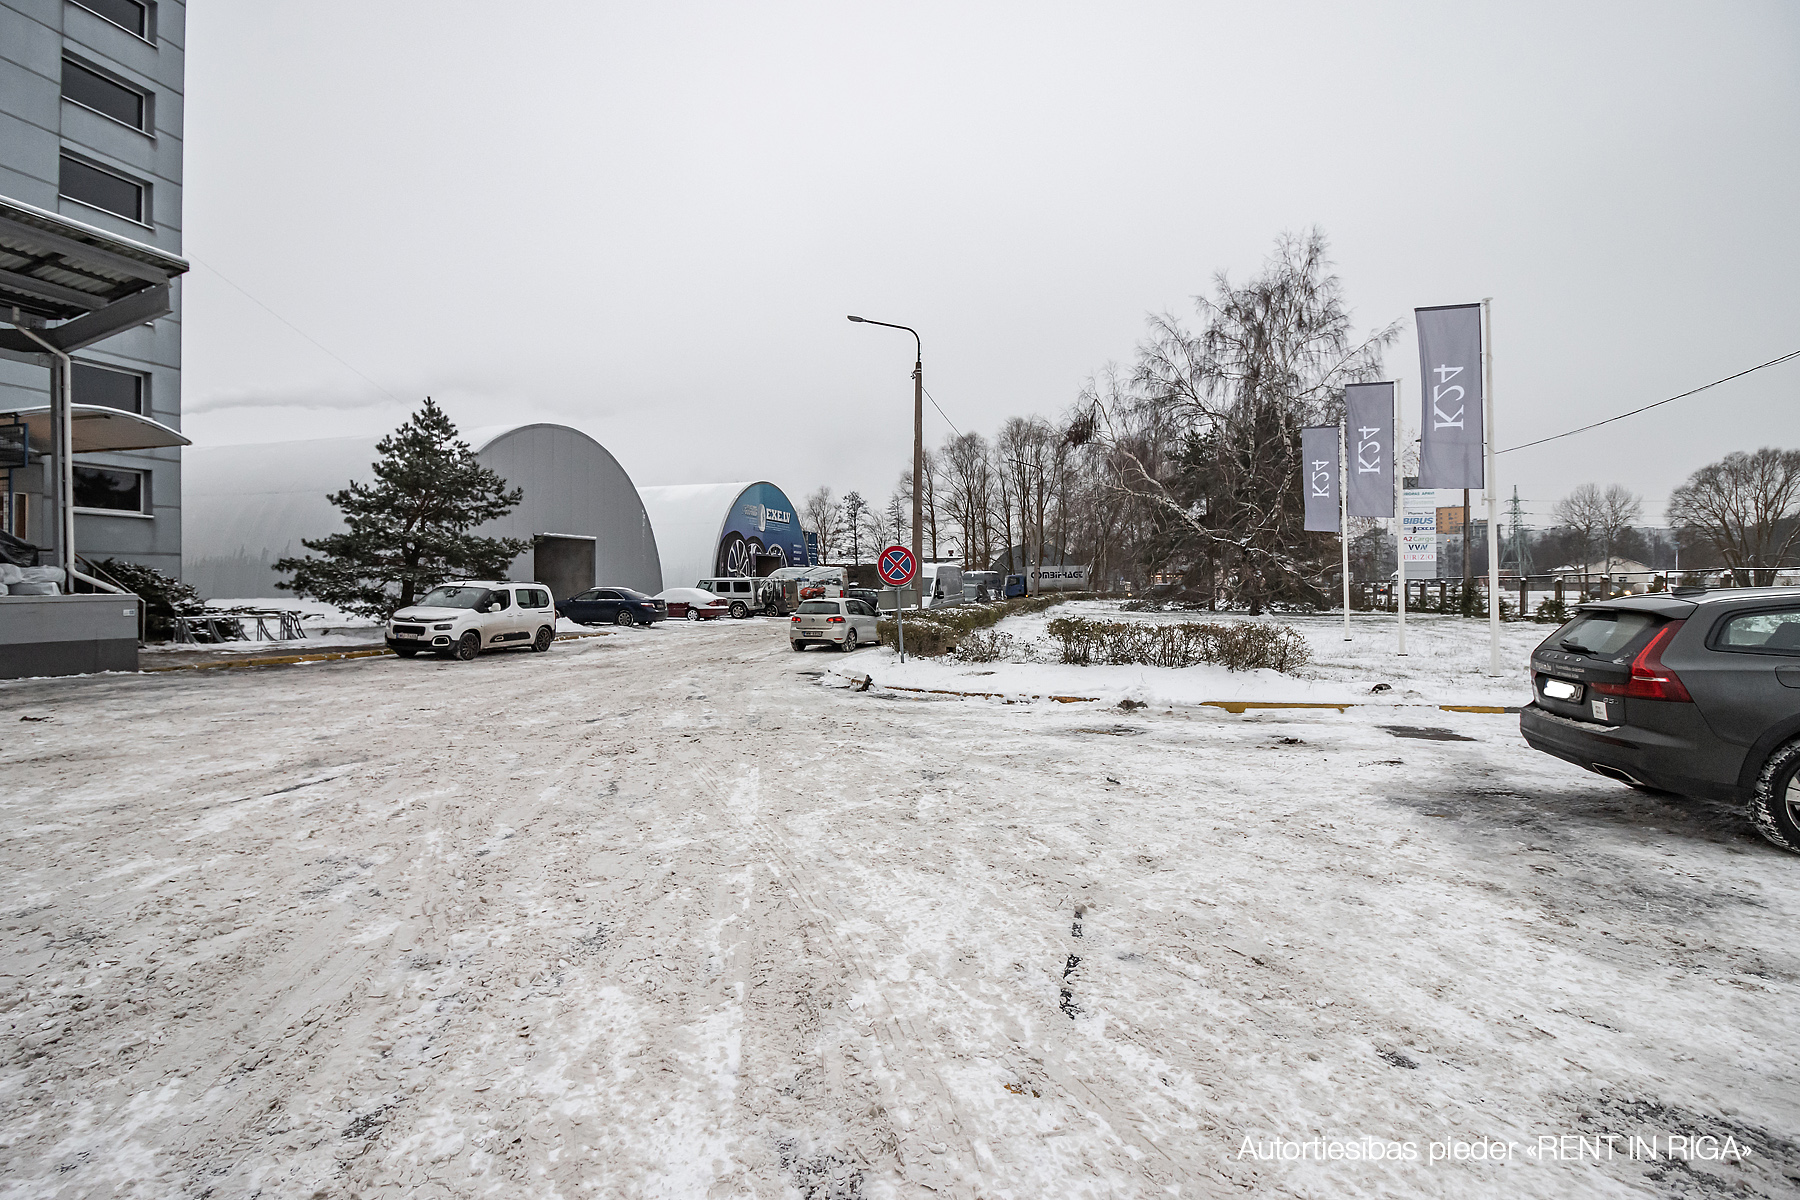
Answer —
(1692, 691)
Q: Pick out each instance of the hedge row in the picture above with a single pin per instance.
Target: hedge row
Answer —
(939, 631)
(1237, 647)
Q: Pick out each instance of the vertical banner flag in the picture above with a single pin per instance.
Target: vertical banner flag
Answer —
(1369, 409)
(1319, 477)
(1450, 443)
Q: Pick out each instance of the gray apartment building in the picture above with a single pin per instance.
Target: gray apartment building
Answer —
(90, 156)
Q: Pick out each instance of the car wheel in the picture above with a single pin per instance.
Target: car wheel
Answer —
(545, 635)
(406, 651)
(798, 646)
(693, 613)
(849, 642)
(469, 646)
(1775, 805)
(739, 609)
(625, 618)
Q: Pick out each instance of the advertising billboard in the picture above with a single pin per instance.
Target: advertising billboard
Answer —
(762, 533)
(1419, 526)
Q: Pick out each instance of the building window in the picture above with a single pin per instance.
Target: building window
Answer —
(102, 189)
(126, 14)
(107, 386)
(107, 489)
(90, 89)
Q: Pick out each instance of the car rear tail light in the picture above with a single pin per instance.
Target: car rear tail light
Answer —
(796, 620)
(1650, 680)
(834, 620)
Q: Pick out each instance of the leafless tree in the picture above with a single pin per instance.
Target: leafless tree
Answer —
(964, 459)
(856, 527)
(1619, 510)
(1744, 507)
(1582, 513)
(928, 513)
(895, 522)
(824, 517)
(1225, 408)
(1184, 467)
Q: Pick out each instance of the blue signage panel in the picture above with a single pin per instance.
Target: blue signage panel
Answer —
(762, 525)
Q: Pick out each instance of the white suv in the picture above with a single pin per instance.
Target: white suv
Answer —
(460, 620)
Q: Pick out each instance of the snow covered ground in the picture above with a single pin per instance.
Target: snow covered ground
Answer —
(675, 913)
(1446, 663)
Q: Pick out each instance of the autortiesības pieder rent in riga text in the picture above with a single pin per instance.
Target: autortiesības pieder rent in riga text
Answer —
(1545, 1148)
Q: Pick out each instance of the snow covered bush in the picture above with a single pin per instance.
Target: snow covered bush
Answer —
(1236, 647)
(985, 646)
(938, 631)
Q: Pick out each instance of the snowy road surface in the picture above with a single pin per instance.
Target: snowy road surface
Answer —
(663, 914)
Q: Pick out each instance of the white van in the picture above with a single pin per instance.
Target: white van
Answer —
(941, 583)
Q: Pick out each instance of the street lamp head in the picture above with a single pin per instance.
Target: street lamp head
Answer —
(858, 320)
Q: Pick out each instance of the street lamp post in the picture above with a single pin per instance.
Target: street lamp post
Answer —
(918, 449)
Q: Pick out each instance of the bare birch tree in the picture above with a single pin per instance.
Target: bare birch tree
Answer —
(1227, 404)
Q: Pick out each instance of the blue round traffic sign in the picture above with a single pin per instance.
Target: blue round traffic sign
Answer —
(896, 566)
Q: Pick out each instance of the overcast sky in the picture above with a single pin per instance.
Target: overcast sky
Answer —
(648, 221)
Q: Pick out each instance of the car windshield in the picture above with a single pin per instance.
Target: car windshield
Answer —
(454, 597)
(1607, 631)
(628, 594)
(814, 607)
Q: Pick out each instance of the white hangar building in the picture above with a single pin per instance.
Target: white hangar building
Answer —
(246, 506)
(711, 529)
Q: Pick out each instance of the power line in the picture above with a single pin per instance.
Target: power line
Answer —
(940, 411)
(1634, 412)
(309, 337)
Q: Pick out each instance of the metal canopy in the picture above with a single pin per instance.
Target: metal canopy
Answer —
(94, 428)
(63, 286)
(96, 283)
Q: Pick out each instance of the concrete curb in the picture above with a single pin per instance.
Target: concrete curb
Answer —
(284, 660)
(1236, 707)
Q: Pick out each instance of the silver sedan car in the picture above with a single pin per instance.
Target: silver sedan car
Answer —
(844, 622)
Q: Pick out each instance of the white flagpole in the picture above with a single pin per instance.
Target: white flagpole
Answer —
(1399, 515)
(1493, 509)
(1344, 515)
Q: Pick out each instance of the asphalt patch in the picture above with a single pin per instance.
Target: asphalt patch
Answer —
(1426, 733)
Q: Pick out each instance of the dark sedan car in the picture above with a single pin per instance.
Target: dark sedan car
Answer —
(612, 606)
(1695, 692)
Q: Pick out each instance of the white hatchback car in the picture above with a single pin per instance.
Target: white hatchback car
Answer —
(460, 620)
(845, 623)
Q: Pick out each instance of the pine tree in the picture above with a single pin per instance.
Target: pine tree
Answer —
(409, 530)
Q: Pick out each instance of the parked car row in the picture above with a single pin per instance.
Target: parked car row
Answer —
(461, 620)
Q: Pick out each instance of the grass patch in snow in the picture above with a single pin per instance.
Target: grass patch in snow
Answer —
(1236, 647)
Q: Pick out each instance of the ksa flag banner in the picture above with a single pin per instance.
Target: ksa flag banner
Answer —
(1369, 413)
(1319, 477)
(1450, 446)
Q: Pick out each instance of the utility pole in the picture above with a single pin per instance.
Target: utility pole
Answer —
(918, 442)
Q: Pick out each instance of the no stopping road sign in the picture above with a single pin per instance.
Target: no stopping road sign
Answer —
(896, 566)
